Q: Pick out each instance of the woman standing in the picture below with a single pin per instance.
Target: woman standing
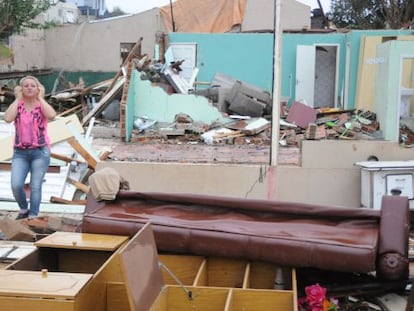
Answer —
(30, 113)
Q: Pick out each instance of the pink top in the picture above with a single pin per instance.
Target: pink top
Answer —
(31, 128)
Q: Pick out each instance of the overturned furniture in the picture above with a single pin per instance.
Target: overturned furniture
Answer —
(83, 272)
(356, 240)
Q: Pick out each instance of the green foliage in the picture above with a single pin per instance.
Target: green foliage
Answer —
(116, 12)
(15, 15)
(4, 51)
(372, 14)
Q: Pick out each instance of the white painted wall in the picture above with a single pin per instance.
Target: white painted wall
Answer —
(260, 15)
(90, 46)
(95, 45)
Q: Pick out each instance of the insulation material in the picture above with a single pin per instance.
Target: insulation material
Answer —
(190, 15)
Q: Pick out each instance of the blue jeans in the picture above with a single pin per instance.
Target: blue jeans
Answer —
(25, 161)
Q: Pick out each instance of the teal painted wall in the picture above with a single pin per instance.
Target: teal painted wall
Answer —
(388, 75)
(249, 57)
(288, 66)
(152, 102)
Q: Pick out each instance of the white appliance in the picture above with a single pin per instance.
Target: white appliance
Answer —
(380, 178)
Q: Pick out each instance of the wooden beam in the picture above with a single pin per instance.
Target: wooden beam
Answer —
(69, 111)
(82, 146)
(78, 185)
(83, 152)
(66, 159)
(104, 101)
(54, 199)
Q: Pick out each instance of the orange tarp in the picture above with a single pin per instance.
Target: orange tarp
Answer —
(215, 16)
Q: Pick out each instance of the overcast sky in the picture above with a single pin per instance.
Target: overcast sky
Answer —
(136, 6)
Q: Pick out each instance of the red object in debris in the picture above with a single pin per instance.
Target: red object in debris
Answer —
(301, 115)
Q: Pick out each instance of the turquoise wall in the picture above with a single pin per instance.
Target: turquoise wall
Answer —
(249, 57)
(288, 67)
(388, 75)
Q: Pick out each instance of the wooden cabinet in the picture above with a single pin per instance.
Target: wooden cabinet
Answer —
(61, 274)
(222, 284)
(83, 272)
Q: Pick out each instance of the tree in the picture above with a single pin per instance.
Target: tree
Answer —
(15, 15)
(117, 11)
(372, 14)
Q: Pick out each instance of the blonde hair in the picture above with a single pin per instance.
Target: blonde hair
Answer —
(40, 86)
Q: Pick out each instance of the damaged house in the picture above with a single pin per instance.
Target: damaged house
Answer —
(198, 91)
(316, 165)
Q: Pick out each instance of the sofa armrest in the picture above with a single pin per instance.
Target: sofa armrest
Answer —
(394, 227)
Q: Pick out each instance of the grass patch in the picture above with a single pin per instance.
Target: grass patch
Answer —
(4, 51)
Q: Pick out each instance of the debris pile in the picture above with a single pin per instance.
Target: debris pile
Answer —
(247, 108)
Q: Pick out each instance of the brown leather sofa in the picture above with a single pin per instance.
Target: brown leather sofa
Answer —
(333, 238)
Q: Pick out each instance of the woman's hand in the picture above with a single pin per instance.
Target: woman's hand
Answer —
(47, 109)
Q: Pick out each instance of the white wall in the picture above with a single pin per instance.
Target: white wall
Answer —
(95, 45)
(91, 46)
(260, 15)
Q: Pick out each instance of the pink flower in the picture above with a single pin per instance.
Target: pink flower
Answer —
(315, 295)
(316, 300)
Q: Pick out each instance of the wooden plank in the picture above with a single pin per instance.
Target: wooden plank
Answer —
(82, 146)
(65, 158)
(183, 267)
(263, 275)
(365, 93)
(261, 300)
(91, 297)
(201, 278)
(117, 298)
(71, 110)
(54, 199)
(247, 275)
(42, 284)
(235, 271)
(78, 185)
(111, 270)
(76, 240)
(104, 101)
(366, 72)
(105, 154)
(207, 299)
(83, 152)
(19, 304)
